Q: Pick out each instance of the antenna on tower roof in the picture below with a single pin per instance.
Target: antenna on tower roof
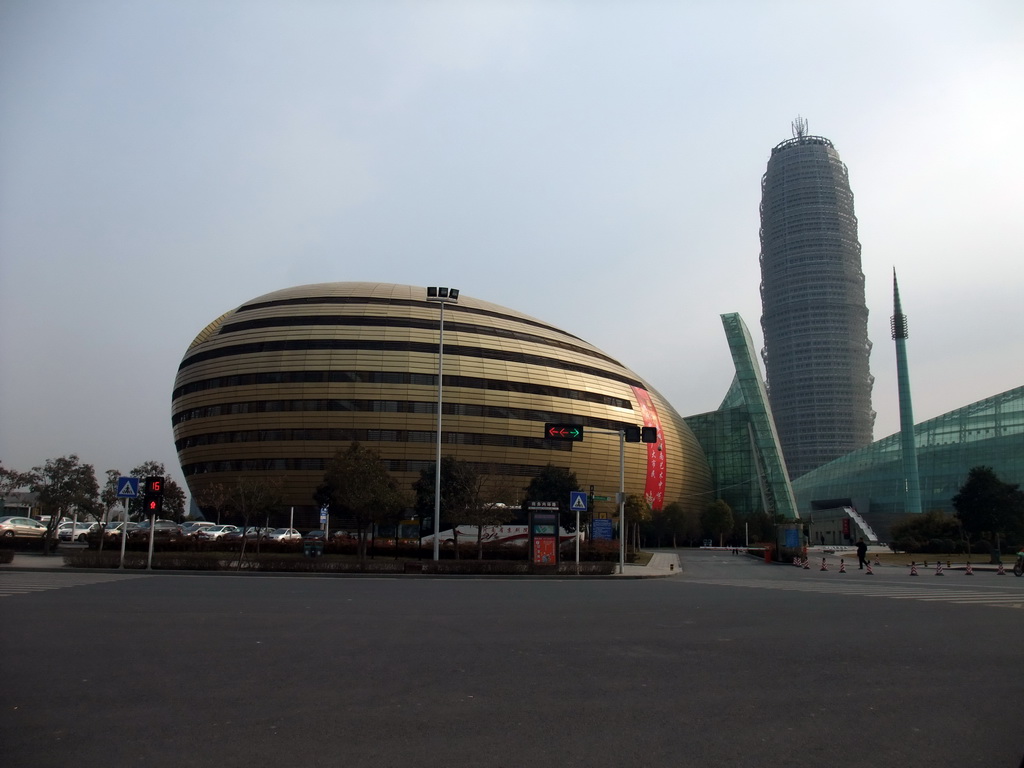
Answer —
(799, 127)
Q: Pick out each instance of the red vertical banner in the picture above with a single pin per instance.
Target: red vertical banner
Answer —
(654, 486)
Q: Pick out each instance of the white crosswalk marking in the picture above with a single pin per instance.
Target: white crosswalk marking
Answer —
(20, 582)
(997, 597)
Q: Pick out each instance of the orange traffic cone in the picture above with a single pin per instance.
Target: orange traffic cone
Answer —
(870, 572)
(913, 568)
(969, 571)
(824, 565)
(807, 563)
(842, 565)
(938, 568)
(1000, 571)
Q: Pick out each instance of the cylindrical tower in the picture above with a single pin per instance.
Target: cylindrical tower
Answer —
(814, 317)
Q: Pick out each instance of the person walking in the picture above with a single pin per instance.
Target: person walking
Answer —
(862, 553)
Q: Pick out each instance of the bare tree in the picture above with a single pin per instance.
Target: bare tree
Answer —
(253, 497)
(214, 496)
(488, 507)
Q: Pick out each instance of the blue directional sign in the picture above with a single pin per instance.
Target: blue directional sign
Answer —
(127, 487)
(577, 501)
(602, 529)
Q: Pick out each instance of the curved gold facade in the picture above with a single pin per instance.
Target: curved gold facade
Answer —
(279, 384)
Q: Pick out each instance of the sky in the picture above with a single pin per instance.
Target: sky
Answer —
(595, 164)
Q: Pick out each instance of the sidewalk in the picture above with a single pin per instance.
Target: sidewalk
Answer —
(662, 564)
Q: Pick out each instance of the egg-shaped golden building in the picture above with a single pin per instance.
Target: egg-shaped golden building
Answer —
(278, 385)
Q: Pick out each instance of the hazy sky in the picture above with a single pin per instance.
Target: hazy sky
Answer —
(594, 164)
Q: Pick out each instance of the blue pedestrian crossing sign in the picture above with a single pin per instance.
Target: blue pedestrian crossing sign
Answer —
(577, 501)
(127, 487)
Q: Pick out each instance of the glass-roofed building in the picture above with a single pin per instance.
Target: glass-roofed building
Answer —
(988, 433)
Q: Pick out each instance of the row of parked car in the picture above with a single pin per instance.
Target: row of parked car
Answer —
(163, 530)
(13, 527)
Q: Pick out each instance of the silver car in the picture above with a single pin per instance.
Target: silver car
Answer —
(21, 527)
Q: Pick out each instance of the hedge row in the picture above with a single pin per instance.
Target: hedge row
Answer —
(213, 561)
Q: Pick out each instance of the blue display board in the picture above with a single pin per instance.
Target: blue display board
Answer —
(601, 528)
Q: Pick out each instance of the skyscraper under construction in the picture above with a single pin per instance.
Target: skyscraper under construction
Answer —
(815, 320)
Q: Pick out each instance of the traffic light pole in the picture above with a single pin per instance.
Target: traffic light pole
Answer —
(622, 491)
(574, 433)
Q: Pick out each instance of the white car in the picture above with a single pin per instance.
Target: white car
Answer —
(195, 526)
(214, 532)
(79, 532)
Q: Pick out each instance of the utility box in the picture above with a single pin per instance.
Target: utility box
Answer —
(544, 538)
(312, 548)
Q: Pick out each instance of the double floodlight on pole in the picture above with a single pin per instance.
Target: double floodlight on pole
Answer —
(440, 296)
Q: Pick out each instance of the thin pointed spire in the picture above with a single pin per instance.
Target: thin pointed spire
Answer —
(898, 321)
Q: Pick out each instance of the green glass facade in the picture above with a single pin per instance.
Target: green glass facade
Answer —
(740, 439)
(988, 433)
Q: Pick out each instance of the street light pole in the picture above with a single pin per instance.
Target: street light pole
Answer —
(622, 501)
(440, 296)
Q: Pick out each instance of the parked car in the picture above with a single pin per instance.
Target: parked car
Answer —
(216, 532)
(337, 536)
(284, 534)
(249, 534)
(113, 529)
(163, 530)
(77, 532)
(22, 528)
(193, 527)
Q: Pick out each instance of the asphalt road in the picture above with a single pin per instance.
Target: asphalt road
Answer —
(732, 663)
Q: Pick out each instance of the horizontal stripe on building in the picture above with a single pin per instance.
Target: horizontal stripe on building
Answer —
(426, 324)
(320, 465)
(395, 377)
(369, 436)
(358, 345)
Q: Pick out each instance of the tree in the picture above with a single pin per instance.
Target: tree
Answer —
(252, 498)
(12, 480)
(459, 494)
(554, 484)
(61, 484)
(174, 496)
(716, 520)
(638, 511)
(985, 505)
(108, 496)
(214, 497)
(913, 533)
(357, 484)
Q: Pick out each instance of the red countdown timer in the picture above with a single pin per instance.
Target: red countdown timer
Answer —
(153, 498)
